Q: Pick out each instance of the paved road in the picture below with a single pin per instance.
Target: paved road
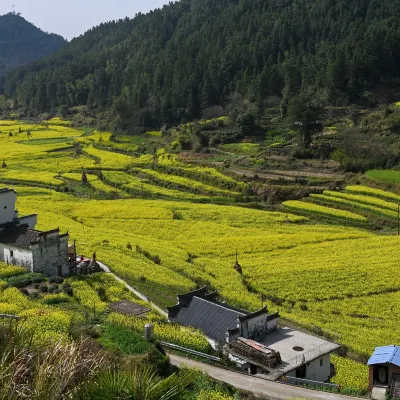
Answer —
(258, 386)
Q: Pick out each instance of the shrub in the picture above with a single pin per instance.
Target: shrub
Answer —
(44, 288)
(53, 288)
(25, 280)
(67, 289)
(56, 299)
(56, 279)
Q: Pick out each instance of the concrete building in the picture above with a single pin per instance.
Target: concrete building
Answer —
(21, 244)
(384, 372)
(255, 341)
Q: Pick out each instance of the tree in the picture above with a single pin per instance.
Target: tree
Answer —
(246, 123)
(84, 178)
(306, 112)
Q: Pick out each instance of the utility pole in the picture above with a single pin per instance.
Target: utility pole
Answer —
(75, 261)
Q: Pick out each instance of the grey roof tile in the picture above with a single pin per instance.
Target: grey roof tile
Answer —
(214, 319)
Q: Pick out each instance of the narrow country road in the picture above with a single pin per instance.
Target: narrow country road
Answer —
(255, 385)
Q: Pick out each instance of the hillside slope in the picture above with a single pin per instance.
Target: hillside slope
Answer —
(22, 43)
(176, 62)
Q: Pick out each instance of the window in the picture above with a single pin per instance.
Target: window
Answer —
(11, 253)
(321, 362)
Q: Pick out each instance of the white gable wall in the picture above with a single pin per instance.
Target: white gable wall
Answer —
(258, 325)
(30, 220)
(7, 206)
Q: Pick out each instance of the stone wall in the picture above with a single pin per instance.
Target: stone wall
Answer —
(50, 254)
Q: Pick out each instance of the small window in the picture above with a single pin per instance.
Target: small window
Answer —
(321, 362)
(11, 253)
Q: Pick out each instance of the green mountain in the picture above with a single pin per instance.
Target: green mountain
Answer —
(22, 43)
(175, 63)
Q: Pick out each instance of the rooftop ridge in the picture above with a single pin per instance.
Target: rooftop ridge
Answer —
(216, 303)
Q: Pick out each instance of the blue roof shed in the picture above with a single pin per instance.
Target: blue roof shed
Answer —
(386, 355)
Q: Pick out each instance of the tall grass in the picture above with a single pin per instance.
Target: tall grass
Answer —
(77, 370)
(45, 373)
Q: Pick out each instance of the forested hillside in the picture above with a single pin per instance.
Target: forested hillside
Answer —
(174, 63)
(22, 43)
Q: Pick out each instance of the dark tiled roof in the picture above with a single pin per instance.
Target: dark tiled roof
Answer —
(253, 315)
(214, 319)
(184, 299)
(19, 236)
(6, 190)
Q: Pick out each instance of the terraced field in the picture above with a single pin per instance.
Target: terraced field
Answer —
(354, 205)
(334, 279)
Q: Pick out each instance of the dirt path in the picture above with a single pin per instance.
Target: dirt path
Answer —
(141, 296)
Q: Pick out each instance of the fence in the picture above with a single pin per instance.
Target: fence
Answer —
(5, 316)
(311, 354)
(290, 380)
(190, 351)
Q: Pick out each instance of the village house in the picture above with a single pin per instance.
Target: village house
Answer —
(255, 341)
(384, 372)
(21, 244)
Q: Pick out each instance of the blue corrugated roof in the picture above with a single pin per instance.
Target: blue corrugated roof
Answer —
(386, 355)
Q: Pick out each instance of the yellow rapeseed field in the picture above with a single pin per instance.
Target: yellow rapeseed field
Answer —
(335, 279)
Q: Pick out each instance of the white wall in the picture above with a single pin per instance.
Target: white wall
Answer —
(7, 206)
(30, 220)
(22, 257)
(316, 372)
(258, 324)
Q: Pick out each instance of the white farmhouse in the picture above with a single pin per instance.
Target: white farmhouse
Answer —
(21, 244)
(255, 341)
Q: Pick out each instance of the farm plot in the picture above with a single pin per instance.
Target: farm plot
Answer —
(138, 187)
(386, 175)
(311, 209)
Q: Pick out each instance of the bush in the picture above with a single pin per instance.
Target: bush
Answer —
(25, 280)
(53, 288)
(43, 288)
(67, 289)
(56, 299)
(303, 307)
(24, 291)
(56, 279)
